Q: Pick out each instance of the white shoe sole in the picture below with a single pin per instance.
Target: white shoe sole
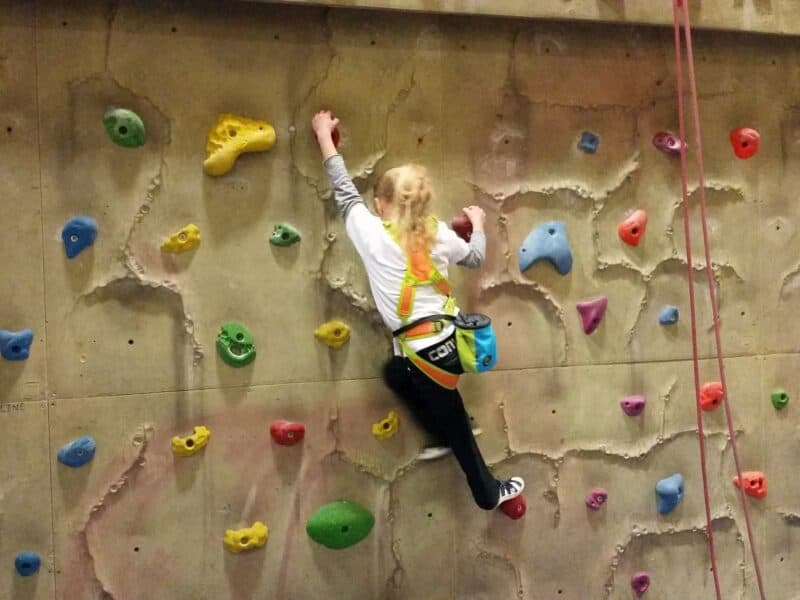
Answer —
(434, 452)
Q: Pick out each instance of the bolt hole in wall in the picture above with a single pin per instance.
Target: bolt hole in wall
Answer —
(136, 548)
(130, 342)
(9, 129)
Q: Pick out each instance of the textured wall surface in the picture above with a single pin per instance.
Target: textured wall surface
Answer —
(124, 334)
(773, 16)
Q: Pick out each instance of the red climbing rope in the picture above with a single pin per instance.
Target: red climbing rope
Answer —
(695, 363)
(677, 5)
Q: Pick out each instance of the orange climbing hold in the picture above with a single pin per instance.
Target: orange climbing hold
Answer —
(755, 483)
(632, 229)
(711, 395)
(745, 142)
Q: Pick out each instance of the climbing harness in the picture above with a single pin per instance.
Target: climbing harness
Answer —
(681, 8)
(474, 341)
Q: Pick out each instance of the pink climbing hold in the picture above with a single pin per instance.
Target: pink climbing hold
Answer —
(632, 405)
(515, 508)
(640, 582)
(596, 498)
(592, 312)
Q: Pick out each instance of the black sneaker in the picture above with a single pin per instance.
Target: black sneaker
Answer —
(510, 488)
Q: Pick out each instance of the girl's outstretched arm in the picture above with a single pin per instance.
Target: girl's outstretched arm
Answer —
(345, 193)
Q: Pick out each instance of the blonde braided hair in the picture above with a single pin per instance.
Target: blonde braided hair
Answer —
(409, 189)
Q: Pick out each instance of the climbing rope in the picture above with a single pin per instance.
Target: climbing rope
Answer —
(679, 6)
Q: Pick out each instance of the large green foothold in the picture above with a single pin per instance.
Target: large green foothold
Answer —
(235, 344)
(284, 235)
(340, 524)
(779, 399)
(124, 127)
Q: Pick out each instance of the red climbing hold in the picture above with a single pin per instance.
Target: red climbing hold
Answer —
(515, 508)
(462, 226)
(592, 312)
(286, 433)
(711, 395)
(745, 142)
(755, 483)
(632, 229)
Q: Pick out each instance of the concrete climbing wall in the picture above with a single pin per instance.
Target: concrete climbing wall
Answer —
(124, 334)
(773, 16)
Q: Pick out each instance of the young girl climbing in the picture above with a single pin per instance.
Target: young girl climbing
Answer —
(406, 253)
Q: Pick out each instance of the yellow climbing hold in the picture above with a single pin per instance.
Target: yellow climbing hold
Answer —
(191, 444)
(233, 135)
(239, 540)
(333, 333)
(183, 240)
(386, 428)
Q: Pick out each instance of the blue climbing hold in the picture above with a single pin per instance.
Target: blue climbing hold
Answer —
(27, 563)
(670, 493)
(547, 241)
(78, 234)
(669, 315)
(589, 142)
(15, 345)
(78, 452)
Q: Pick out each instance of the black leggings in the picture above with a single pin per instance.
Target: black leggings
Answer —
(441, 413)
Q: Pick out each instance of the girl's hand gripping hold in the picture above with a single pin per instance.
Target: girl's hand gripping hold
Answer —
(476, 216)
(323, 124)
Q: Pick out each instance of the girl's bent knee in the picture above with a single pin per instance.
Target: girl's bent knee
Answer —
(395, 373)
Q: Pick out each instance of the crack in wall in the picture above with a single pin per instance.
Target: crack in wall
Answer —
(665, 398)
(506, 279)
(505, 562)
(109, 498)
(604, 450)
(636, 533)
(790, 517)
(136, 272)
(394, 582)
(113, 11)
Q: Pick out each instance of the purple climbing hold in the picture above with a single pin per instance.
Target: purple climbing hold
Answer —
(592, 312)
(596, 498)
(640, 582)
(668, 143)
(632, 405)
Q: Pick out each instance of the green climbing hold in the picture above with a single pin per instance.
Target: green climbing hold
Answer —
(235, 344)
(284, 235)
(779, 398)
(124, 127)
(340, 524)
